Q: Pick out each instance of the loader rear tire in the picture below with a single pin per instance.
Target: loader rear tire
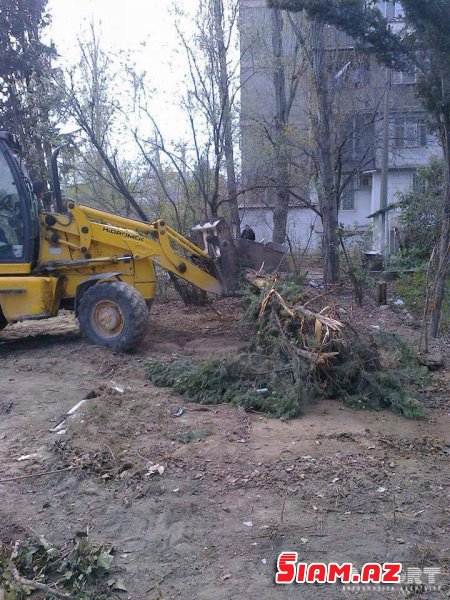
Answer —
(113, 314)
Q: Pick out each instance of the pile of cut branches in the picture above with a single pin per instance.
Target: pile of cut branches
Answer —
(295, 355)
(76, 571)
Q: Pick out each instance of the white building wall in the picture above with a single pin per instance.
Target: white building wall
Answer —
(304, 230)
(357, 218)
(305, 227)
(399, 182)
(260, 220)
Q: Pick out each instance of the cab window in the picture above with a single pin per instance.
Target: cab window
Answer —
(11, 221)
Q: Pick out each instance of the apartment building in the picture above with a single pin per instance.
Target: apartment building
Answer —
(358, 87)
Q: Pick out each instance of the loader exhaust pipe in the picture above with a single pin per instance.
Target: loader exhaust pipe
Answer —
(55, 180)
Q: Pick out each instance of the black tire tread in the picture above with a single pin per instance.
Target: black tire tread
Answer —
(131, 302)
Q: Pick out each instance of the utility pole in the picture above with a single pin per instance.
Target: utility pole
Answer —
(384, 234)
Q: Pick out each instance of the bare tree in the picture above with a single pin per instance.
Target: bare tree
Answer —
(440, 259)
(315, 135)
(224, 40)
(91, 103)
(172, 173)
(283, 104)
(321, 127)
(210, 104)
(197, 175)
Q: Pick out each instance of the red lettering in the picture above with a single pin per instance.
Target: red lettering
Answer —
(286, 567)
(371, 573)
(317, 573)
(301, 573)
(391, 572)
(340, 572)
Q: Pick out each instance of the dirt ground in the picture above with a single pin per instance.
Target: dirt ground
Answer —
(237, 488)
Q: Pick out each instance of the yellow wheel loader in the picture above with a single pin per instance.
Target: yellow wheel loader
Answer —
(98, 264)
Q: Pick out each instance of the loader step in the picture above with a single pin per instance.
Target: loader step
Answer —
(13, 291)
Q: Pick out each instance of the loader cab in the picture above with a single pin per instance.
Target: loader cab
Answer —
(19, 228)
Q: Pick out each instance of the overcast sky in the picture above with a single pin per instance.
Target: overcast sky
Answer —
(128, 25)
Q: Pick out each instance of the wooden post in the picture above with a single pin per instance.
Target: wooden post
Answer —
(382, 293)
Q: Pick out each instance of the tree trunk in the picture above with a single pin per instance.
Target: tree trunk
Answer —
(443, 256)
(281, 204)
(224, 89)
(280, 215)
(328, 198)
(330, 242)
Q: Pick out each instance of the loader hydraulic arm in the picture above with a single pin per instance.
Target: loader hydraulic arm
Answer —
(152, 241)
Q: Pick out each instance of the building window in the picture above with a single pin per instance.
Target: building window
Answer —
(365, 181)
(410, 132)
(360, 146)
(391, 9)
(361, 71)
(334, 38)
(348, 66)
(404, 77)
(348, 197)
(399, 12)
(364, 132)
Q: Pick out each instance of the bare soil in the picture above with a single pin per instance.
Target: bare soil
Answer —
(237, 488)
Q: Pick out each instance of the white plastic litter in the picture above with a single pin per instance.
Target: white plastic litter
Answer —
(28, 456)
(155, 469)
(58, 427)
(118, 388)
(76, 407)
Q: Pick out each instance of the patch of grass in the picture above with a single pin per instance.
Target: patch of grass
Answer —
(193, 435)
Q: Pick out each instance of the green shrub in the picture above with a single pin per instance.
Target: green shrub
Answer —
(421, 214)
(411, 288)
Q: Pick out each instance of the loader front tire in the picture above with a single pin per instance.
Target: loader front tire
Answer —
(113, 314)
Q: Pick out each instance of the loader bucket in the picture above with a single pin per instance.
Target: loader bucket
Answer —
(230, 255)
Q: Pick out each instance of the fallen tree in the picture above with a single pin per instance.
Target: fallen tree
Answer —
(295, 355)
